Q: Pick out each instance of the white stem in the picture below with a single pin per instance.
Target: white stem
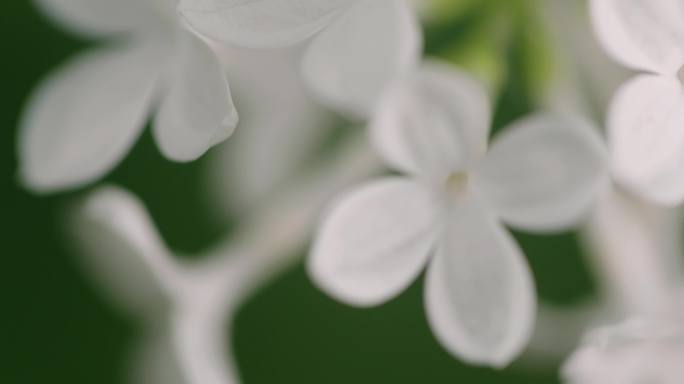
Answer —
(267, 243)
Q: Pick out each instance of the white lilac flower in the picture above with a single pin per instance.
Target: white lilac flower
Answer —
(184, 307)
(635, 352)
(646, 119)
(540, 174)
(359, 45)
(85, 117)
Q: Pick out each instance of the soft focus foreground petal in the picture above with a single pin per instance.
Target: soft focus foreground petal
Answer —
(107, 17)
(479, 295)
(665, 188)
(261, 23)
(351, 63)
(267, 149)
(645, 126)
(584, 78)
(642, 34)
(433, 122)
(638, 351)
(198, 111)
(543, 172)
(123, 251)
(374, 241)
(632, 248)
(84, 118)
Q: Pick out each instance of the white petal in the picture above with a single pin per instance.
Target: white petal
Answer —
(123, 251)
(646, 130)
(351, 63)
(107, 17)
(374, 242)
(632, 248)
(255, 163)
(666, 188)
(261, 23)
(433, 122)
(479, 295)
(83, 120)
(543, 173)
(642, 34)
(638, 351)
(198, 111)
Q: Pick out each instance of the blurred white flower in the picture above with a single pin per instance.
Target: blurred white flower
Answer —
(584, 77)
(540, 174)
(646, 119)
(635, 352)
(268, 149)
(637, 251)
(360, 45)
(84, 119)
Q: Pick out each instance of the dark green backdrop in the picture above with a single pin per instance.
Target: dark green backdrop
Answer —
(55, 328)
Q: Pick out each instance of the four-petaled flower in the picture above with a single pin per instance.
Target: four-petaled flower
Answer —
(646, 120)
(540, 174)
(359, 45)
(85, 118)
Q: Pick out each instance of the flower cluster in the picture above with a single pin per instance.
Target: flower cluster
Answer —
(446, 208)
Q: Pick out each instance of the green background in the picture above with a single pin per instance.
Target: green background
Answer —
(57, 328)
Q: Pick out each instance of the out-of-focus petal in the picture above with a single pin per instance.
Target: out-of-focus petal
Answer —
(637, 351)
(84, 118)
(646, 138)
(256, 162)
(107, 17)
(121, 247)
(374, 242)
(666, 188)
(631, 245)
(433, 122)
(197, 112)
(584, 78)
(353, 61)
(543, 173)
(479, 296)
(642, 34)
(261, 23)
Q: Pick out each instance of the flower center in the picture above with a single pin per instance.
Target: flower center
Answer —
(457, 183)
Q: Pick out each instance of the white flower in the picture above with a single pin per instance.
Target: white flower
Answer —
(82, 121)
(646, 119)
(636, 352)
(360, 45)
(540, 174)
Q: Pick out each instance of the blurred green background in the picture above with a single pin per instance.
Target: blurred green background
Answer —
(57, 328)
